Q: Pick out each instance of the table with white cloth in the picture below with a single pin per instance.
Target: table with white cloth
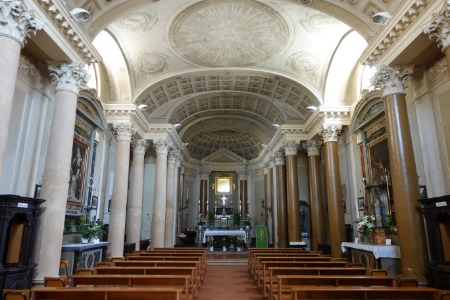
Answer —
(376, 256)
(240, 233)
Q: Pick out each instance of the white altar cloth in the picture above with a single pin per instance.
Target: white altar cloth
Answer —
(378, 250)
(241, 233)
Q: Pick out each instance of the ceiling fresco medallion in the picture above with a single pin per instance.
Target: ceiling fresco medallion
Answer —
(229, 33)
(137, 21)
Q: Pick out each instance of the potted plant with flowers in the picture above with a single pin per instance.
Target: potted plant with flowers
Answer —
(365, 225)
(210, 243)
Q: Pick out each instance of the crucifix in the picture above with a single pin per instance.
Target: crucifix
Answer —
(223, 199)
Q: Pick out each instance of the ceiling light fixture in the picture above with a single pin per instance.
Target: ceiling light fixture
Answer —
(80, 15)
(178, 125)
(312, 108)
(381, 18)
(142, 107)
(276, 126)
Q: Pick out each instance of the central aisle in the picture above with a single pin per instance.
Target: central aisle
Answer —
(228, 283)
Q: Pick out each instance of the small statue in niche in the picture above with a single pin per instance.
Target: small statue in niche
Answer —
(224, 212)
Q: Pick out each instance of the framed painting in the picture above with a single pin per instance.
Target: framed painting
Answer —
(379, 164)
(94, 202)
(361, 204)
(78, 170)
(423, 192)
(223, 185)
(37, 191)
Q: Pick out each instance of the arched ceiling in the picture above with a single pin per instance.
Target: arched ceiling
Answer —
(228, 70)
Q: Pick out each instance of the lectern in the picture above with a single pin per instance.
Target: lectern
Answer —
(18, 222)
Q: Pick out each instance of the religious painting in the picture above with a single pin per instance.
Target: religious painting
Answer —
(77, 178)
(379, 161)
(37, 191)
(361, 204)
(423, 192)
(94, 202)
(223, 185)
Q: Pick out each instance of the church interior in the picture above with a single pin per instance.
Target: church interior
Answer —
(220, 126)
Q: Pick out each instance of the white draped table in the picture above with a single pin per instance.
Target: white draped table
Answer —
(241, 233)
(375, 256)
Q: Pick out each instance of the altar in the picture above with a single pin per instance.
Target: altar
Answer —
(375, 256)
(240, 233)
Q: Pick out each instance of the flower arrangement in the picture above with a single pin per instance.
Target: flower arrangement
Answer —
(365, 224)
(210, 242)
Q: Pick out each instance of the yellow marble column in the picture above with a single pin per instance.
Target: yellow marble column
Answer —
(17, 23)
(68, 79)
(117, 218)
(315, 190)
(169, 233)
(293, 205)
(403, 171)
(282, 213)
(334, 191)
(134, 212)
(159, 200)
(204, 176)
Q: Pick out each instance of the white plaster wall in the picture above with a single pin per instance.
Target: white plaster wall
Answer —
(26, 136)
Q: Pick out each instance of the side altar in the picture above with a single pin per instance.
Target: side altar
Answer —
(375, 256)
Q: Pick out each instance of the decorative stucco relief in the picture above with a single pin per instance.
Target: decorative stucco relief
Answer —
(148, 63)
(229, 33)
(137, 22)
(318, 22)
(305, 64)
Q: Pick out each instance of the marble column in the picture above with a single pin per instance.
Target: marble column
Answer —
(440, 29)
(170, 209)
(16, 24)
(403, 171)
(334, 191)
(282, 213)
(293, 205)
(315, 190)
(159, 199)
(118, 214)
(68, 79)
(273, 206)
(243, 192)
(181, 198)
(134, 213)
(265, 200)
(204, 175)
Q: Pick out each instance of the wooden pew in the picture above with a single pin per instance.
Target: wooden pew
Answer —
(164, 263)
(258, 263)
(261, 275)
(173, 270)
(169, 255)
(282, 290)
(352, 292)
(274, 271)
(135, 280)
(252, 260)
(108, 293)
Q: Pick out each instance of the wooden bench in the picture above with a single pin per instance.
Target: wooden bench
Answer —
(274, 271)
(363, 293)
(164, 263)
(136, 280)
(258, 263)
(261, 276)
(282, 290)
(174, 270)
(169, 255)
(108, 293)
(252, 260)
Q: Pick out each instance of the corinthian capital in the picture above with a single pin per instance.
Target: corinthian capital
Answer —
(331, 132)
(290, 147)
(69, 77)
(162, 146)
(139, 146)
(440, 28)
(313, 147)
(124, 131)
(279, 158)
(172, 157)
(392, 80)
(17, 22)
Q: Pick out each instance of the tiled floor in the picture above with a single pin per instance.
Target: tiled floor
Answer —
(228, 283)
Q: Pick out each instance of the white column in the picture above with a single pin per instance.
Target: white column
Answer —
(68, 79)
(169, 233)
(159, 199)
(134, 213)
(117, 219)
(16, 24)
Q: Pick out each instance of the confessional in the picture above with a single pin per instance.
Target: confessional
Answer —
(17, 237)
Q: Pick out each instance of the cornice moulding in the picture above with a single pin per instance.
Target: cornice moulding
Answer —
(393, 31)
(60, 16)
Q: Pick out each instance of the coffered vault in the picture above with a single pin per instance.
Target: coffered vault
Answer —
(228, 70)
